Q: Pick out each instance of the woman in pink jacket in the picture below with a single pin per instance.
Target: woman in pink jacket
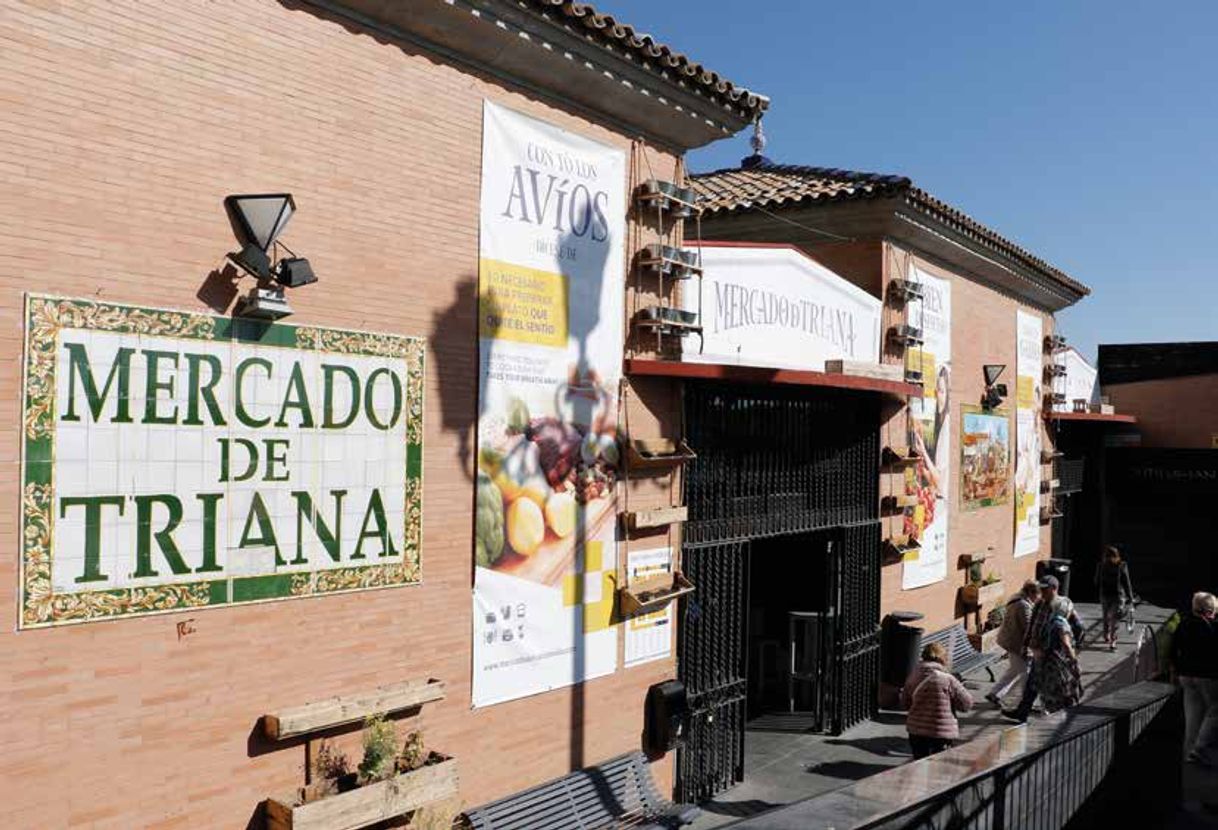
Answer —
(933, 697)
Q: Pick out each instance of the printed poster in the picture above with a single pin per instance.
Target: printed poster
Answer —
(930, 435)
(649, 636)
(551, 289)
(985, 458)
(1028, 399)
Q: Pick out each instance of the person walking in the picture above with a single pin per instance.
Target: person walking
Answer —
(1058, 680)
(1049, 605)
(1016, 614)
(1195, 665)
(1114, 587)
(933, 697)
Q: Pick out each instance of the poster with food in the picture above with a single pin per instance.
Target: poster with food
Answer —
(985, 457)
(550, 295)
(1029, 372)
(930, 437)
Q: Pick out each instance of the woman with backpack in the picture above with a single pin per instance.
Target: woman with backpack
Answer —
(933, 697)
(1058, 678)
(1115, 589)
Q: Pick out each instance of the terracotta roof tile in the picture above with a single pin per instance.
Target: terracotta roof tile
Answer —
(774, 185)
(682, 70)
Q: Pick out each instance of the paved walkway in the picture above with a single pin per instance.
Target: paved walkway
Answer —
(782, 767)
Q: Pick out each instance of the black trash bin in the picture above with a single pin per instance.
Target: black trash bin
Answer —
(899, 646)
(1059, 568)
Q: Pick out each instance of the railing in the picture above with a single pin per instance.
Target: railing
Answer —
(1110, 762)
(1069, 473)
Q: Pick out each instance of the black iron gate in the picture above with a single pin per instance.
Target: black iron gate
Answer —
(773, 462)
(712, 665)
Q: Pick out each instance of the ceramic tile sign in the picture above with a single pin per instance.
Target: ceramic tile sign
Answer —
(175, 460)
(930, 435)
(551, 289)
(1028, 399)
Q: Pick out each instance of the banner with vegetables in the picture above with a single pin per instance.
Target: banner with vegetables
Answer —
(1027, 433)
(550, 295)
(930, 435)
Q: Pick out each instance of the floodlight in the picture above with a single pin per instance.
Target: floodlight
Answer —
(294, 272)
(252, 260)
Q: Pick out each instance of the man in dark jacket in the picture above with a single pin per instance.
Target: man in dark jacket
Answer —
(1194, 657)
(1050, 603)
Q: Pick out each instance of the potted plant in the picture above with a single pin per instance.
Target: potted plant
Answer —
(987, 590)
(388, 782)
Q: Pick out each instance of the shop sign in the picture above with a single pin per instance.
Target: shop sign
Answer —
(777, 307)
(551, 290)
(930, 435)
(1028, 396)
(175, 460)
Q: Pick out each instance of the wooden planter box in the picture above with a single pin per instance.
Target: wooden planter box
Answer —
(660, 517)
(338, 711)
(369, 804)
(986, 641)
(982, 594)
(653, 593)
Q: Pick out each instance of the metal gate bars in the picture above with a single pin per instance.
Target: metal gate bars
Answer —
(778, 461)
(711, 654)
(772, 462)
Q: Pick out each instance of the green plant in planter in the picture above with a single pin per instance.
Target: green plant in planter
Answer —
(380, 749)
(995, 617)
(991, 578)
(974, 573)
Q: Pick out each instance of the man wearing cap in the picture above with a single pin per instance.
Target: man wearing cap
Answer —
(1049, 604)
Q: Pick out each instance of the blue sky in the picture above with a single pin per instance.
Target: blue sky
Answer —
(1085, 131)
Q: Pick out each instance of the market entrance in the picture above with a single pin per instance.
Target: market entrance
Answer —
(782, 543)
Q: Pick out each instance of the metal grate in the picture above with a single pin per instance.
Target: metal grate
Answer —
(776, 462)
(711, 654)
(1069, 473)
(773, 462)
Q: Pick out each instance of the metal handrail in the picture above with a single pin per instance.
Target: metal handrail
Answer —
(1030, 776)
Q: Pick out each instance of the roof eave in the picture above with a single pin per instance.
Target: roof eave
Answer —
(547, 53)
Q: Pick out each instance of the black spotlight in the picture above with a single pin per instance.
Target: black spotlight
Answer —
(994, 391)
(294, 272)
(252, 260)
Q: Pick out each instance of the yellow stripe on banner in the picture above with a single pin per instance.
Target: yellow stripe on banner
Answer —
(521, 304)
(1025, 396)
(599, 615)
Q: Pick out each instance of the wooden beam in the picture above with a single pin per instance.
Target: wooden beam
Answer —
(345, 709)
(762, 375)
(1091, 416)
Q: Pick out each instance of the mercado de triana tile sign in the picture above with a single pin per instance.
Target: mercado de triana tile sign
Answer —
(179, 460)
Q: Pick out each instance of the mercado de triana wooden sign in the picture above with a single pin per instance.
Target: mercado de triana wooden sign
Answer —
(178, 460)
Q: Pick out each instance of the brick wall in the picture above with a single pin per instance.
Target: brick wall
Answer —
(983, 331)
(125, 126)
(1171, 412)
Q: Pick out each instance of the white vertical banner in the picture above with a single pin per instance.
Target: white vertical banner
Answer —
(551, 287)
(1029, 371)
(930, 435)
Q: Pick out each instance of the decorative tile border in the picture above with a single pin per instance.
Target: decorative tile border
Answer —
(46, 317)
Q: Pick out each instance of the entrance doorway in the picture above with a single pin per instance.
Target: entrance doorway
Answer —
(782, 542)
